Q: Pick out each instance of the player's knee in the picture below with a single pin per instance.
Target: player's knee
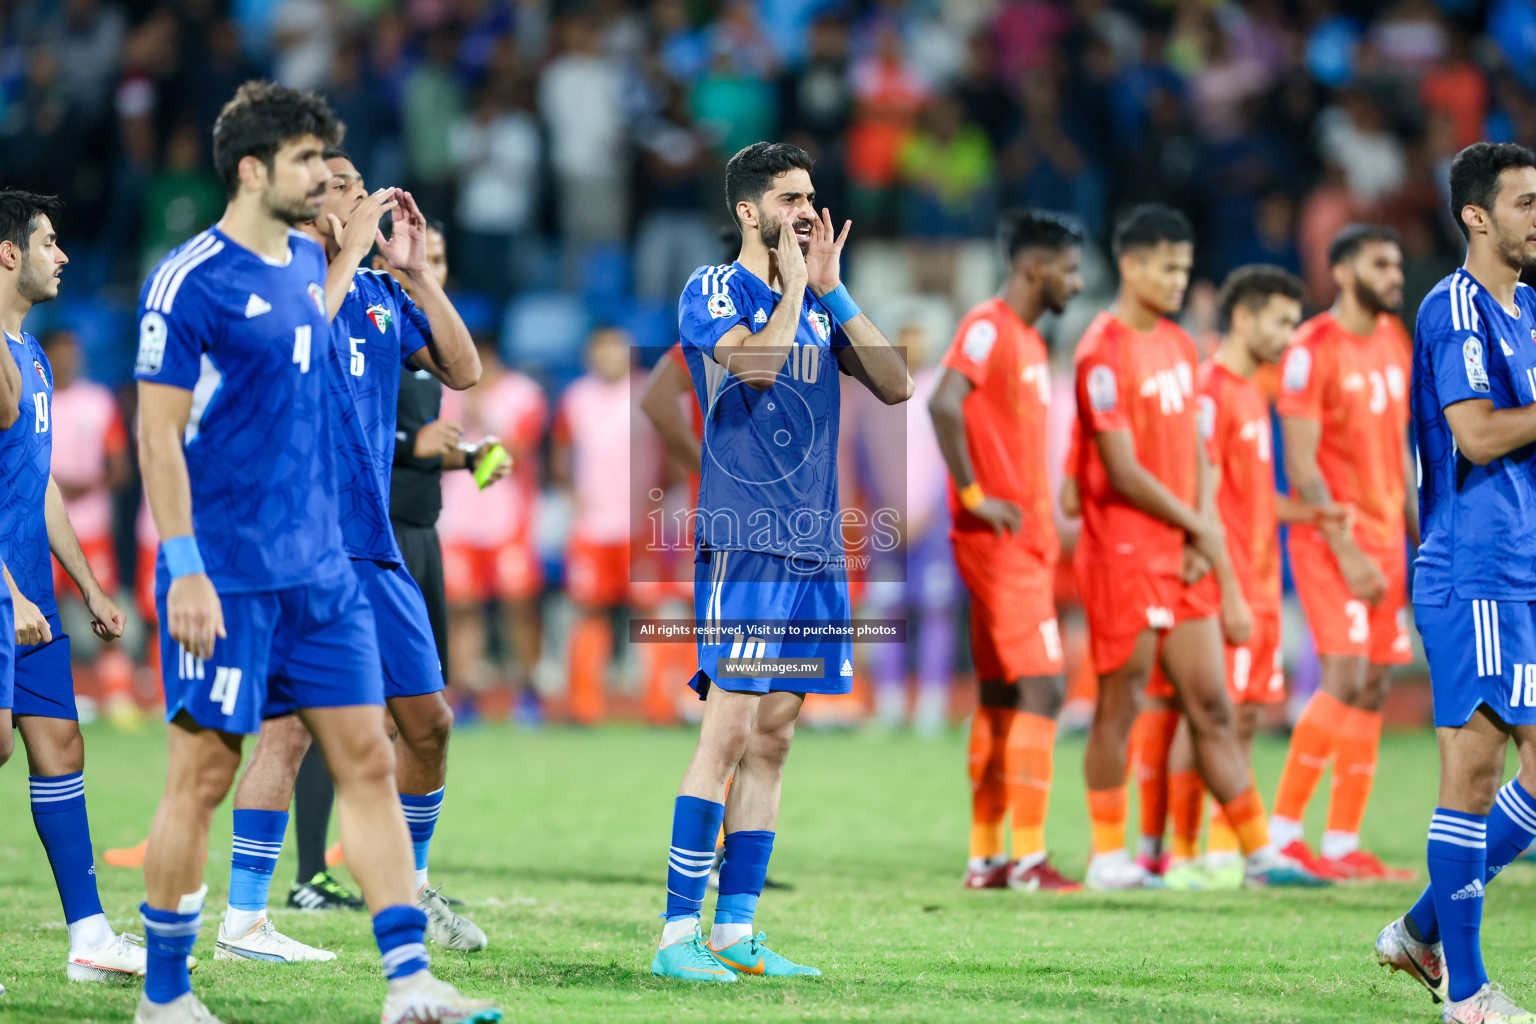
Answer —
(7, 745)
(772, 745)
(205, 785)
(427, 728)
(1041, 697)
(1209, 713)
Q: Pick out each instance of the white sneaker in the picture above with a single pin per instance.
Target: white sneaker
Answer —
(447, 928)
(1110, 872)
(120, 959)
(1488, 1005)
(423, 999)
(184, 1009)
(1424, 962)
(265, 942)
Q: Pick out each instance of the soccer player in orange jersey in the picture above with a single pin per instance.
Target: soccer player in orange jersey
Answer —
(989, 411)
(1344, 414)
(1138, 478)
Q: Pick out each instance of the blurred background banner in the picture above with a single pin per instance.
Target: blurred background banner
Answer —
(573, 152)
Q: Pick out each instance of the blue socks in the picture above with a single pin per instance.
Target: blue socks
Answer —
(1458, 861)
(695, 823)
(741, 876)
(1511, 829)
(421, 816)
(169, 936)
(258, 841)
(58, 811)
(401, 934)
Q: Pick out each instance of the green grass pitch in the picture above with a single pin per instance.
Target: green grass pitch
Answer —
(556, 840)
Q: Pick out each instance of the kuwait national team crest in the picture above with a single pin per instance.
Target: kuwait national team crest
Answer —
(317, 295)
(380, 317)
(41, 373)
(821, 325)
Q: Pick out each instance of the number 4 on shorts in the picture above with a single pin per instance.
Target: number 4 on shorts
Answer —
(226, 688)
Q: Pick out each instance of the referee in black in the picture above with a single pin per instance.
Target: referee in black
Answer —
(425, 447)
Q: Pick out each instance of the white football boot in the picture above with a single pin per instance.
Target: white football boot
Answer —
(184, 1009)
(1113, 872)
(265, 942)
(445, 926)
(1488, 1005)
(1424, 962)
(423, 999)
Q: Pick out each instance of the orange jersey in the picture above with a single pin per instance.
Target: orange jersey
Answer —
(1144, 384)
(1005, 419)
(1234, 424)
(1357, 389)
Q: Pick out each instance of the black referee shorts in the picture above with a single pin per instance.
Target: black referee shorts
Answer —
(424, 561)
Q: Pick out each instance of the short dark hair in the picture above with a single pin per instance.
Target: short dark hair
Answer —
(19, 212)
(751, 171)
(1346, 245)
(1148, 225)
(337, 153)
(1037, 229)
(261, 117)
(1475, 175)
(1252, 287)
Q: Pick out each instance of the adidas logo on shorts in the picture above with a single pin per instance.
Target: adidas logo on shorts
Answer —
(1473, 890)
(847, 667)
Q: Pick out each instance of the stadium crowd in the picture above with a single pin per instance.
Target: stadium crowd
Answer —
(573, 152)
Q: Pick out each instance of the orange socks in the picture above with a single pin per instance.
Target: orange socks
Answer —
(1028, 761)
(1107, 813)
(1312, 743)
(989, 782)
(1356, 746)
(1151, 740)
(1219, 837)
(1245, 813)
(1186, 798)
(591, 645)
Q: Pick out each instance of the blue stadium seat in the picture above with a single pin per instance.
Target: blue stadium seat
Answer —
(544, 329)
(652, 323)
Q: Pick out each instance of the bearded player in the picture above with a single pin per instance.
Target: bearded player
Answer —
(990, 411)
(1344, 415)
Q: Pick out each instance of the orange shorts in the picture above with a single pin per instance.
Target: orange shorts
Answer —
(144, 584)
(1121, 604)
(1342, 624)
(597, 575)
(1253, 671)
(1013, 609)
(101, 555)
(510, 572)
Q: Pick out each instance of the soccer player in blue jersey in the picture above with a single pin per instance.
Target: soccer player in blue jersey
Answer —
(261, 611)
(35, 527)
(1474, 585)
(377, 328)
(764, 337)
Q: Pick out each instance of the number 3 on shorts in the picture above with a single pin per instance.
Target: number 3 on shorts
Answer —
(1359, 621)
(226, 689)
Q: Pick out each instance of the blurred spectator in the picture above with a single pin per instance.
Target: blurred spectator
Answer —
(1457, 87)
(430, 107)
(1355, 135)
(182, 198)
(497, 150)
(948, 168)
(85, 38)
(358, 98)
(1023, 33)
(889, 95)
(581, 99)
(682, 46)
(305, 36)
(680, 183)
(1046, 165)
(734, 107)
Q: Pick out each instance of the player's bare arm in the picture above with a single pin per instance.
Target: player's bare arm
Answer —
(1236, 617)
(1484, 433)
(31, 624)
(450, 355)
(1325, 517)
(1364, 577)
(354, 240)
(1130, 479)
(757, 358)
(870, 360)
(664, 389)
(1410, 494)
(10, 393)
(107, 619)
(947, 407)
(193, 613)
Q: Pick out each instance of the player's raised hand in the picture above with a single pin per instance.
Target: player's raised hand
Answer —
(406, 246)
(824, 261)
(107, 619)
(31, 624)
(361, 232)
(791, 261)
(1003, 516)
(194, 615)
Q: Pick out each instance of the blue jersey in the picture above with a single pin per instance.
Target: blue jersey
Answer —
(1476, 520)
(251, 341)
(376, 330)
(769, 478)
(25, 452)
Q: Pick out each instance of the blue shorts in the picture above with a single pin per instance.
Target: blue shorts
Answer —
(45, 685)
(407, 650)
(746, 586)
(305, 647)
(7, 650)
(1480, 652)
